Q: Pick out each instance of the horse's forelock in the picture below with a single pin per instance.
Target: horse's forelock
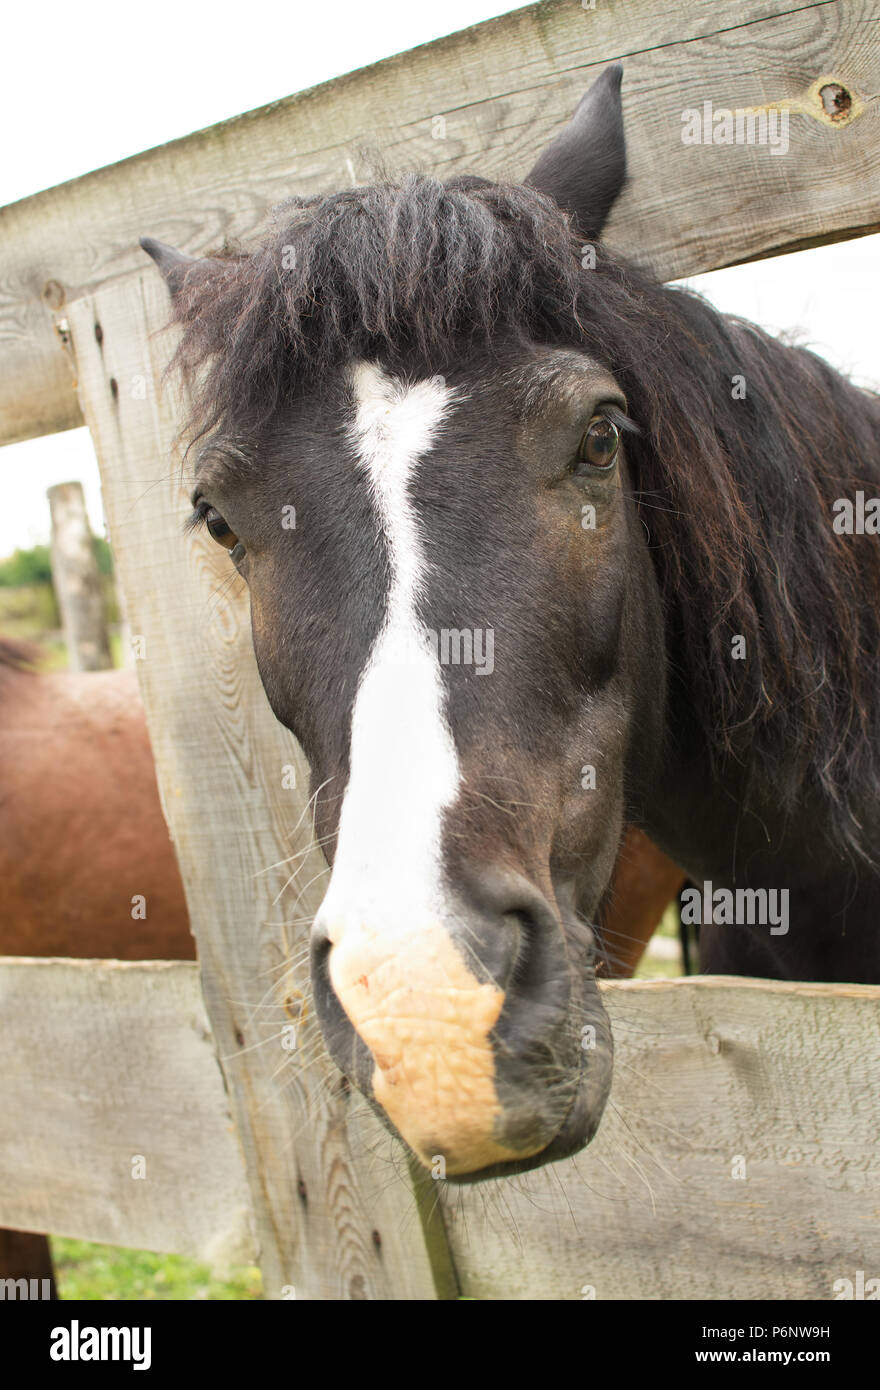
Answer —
(416, 267)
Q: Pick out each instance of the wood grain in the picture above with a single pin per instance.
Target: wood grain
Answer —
(501, 88)
(104, 1061)
(332, 1219)
(713, 1077)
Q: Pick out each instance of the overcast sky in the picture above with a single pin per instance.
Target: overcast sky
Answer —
(90, 83)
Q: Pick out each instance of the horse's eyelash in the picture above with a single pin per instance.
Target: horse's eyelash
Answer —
(620, 419)
(200, 510)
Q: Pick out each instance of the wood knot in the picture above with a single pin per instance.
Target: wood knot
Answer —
(295, 1006)
(53, 294)
(836, 101)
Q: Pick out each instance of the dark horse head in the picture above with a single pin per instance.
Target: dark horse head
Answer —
(435, 425)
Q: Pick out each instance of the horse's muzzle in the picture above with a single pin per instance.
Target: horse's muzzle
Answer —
(465, 1027)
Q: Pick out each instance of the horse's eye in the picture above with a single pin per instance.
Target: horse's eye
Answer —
(218, 528)
(598, 448)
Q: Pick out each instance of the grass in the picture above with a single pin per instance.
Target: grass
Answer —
(109, 1272)
(653, 967)
(30, 614)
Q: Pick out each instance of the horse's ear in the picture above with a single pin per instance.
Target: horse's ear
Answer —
(173, 264)
(584, 166)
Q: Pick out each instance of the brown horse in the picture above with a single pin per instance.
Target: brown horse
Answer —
(86, 862)
(85, 851)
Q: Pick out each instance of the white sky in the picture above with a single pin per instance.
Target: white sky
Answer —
(90, 83)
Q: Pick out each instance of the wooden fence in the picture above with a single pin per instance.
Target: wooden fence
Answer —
(164, 1105)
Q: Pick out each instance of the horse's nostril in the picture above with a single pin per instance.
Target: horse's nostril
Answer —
(347, 1049)
(516, 932)
(329, 1009)
(522, 966)
(322, 988)
(319, 950)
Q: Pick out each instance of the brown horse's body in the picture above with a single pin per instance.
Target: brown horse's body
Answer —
(82, 835)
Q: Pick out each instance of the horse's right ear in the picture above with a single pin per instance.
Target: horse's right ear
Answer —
(584, 167)
(173, 264)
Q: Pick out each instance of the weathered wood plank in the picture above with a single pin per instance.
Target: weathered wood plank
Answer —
(493, 93)
(105, 1061)
(714, 1077)
(332, 1220)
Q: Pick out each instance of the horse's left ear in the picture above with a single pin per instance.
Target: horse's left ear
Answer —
(584, 166)
(172, 263)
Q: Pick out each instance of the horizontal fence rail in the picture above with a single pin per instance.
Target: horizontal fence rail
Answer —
(738, 1156)
(485, 100)
(114, 1122)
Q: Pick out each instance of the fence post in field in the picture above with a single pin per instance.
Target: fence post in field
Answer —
(77, 581)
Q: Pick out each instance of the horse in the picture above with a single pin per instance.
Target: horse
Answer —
(567, 554)
(82, 834)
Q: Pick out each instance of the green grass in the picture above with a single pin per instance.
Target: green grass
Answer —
(649, 967)
(110, 1272)
(30, 614)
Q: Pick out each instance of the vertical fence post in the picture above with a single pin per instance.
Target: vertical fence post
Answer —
(77, 580)
(336, 1213)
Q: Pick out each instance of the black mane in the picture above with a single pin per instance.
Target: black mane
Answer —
(737, 495)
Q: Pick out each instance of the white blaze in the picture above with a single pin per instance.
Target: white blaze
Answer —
(404, 767)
